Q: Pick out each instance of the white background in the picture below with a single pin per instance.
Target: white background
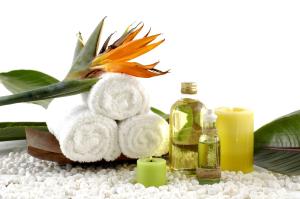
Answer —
(241, 53)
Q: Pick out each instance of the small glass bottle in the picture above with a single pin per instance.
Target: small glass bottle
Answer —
(185, 129)
(208, 170)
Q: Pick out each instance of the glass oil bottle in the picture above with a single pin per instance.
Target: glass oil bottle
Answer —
(208, 170)
(185, 129)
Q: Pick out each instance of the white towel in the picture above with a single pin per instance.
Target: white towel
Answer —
(83, 136)
(117, 96)
(60, 108)
(143, 136)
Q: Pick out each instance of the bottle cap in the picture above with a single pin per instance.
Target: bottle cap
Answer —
(188, 88)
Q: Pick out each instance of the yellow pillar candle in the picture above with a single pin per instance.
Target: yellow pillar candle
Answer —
(235, 127)
(151, 171)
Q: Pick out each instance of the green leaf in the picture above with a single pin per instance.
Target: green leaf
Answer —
(17, 81)
(16, 130)
(184, 134)
(87, 54)
(59, 89)
(160, 113)
(277, 145)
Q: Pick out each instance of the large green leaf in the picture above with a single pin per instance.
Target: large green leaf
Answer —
(17, 81)
(16, 130)
(86, 54)
(59, 89)
(277, 145)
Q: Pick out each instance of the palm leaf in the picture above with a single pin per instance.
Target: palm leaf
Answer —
(277, 145)
(16, 130)
(17, 81)
(59, 89)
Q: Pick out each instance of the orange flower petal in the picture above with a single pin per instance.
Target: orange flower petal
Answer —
(133, 55)
(120, 41)
(140, 51)
(150, 66)
(131, 68)
(132, 35)
(124, 50)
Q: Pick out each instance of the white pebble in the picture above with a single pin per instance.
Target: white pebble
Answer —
(28, 177)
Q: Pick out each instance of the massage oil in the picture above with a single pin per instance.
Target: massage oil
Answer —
(208, 170)
(185, 129)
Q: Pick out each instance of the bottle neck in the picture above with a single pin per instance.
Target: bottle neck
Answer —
(209, 131)
(190, 96)
(209, 127)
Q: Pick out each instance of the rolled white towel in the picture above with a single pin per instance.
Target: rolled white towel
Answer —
(83, 136)
(143, 136)
(117, 96)
(61, 108)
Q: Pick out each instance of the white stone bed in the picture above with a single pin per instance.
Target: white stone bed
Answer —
(22, 176)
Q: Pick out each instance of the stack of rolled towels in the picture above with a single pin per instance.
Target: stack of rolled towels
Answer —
(113, 118)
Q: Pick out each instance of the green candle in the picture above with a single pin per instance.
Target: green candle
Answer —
(151, 171)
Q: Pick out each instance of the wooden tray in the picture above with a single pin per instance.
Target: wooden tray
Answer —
(43, 145)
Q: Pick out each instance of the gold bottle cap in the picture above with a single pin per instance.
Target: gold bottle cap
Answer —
(188, 88)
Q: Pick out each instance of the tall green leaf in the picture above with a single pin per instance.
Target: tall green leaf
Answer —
(87, 53)
(17, 81)
(277, 145)
(16, 130)
(59, 89)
